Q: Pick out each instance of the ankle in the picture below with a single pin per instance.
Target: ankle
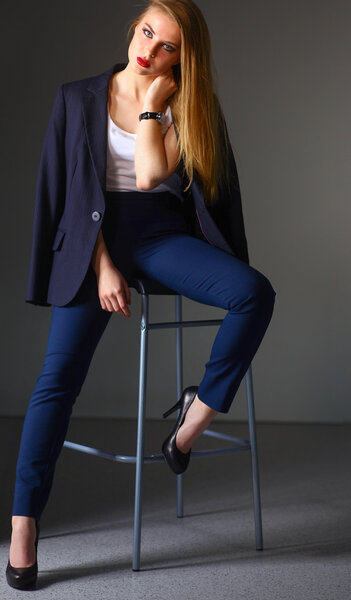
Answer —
(199, 413)
(23, 524)
(196, 421)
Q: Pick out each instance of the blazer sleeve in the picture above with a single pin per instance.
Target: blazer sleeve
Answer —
(49, 202)
(228, 212)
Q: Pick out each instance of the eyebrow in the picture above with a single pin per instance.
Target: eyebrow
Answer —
(171, 43)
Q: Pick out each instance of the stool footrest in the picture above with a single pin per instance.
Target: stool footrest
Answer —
(241, 445)
(181, 324)
(227, 437)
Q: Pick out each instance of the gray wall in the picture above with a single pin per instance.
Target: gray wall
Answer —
(283, 71)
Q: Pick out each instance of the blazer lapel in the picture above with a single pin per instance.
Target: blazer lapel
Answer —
(95, 120)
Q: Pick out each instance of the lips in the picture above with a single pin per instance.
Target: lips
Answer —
(142, 62)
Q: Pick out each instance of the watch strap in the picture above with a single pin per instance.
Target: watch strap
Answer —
(151, 115)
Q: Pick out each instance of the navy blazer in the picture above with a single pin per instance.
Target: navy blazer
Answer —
(70, 195)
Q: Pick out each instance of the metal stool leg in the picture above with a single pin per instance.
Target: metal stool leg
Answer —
(238, 444)
(140, 435)
(254, 459)
(179, 382)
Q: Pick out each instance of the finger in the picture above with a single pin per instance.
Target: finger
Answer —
(122, 302)
(103, 305)
(114, 302)
(109, 306)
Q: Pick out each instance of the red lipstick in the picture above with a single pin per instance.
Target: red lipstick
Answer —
(142, 62)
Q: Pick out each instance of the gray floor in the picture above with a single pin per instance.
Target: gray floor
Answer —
(85, 547)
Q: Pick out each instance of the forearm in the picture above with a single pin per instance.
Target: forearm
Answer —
(150, 156)
(101, 257)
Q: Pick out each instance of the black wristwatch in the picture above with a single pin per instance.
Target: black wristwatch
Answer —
(158, 116)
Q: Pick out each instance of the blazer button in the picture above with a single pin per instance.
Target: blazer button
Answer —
(96, 216)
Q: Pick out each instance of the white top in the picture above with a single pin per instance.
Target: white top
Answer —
(120, 167)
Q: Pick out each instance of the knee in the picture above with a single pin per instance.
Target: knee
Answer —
(257, 293)
(60, 380)
(264, 291)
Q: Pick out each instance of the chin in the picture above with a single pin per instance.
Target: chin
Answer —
(138, 68)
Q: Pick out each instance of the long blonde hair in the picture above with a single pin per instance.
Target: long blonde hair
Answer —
(196, 110)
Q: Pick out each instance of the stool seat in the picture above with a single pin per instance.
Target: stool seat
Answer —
(150, 286)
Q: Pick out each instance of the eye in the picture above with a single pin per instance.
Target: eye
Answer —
(168, 48)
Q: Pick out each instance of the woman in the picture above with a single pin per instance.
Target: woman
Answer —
(137, 178)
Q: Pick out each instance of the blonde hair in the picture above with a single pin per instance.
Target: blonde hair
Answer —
(197, 114)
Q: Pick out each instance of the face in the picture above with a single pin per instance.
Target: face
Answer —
(155, 46)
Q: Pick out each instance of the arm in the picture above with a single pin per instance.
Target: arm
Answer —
(113, 290)
(101, 259)
(155, 157)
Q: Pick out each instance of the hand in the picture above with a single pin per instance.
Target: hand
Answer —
(162, 87)
(113, 291)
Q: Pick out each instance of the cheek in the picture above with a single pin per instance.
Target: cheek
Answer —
(168, 57)
(175, 59)
(135, 42)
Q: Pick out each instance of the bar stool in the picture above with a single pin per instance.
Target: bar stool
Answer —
(146, 288)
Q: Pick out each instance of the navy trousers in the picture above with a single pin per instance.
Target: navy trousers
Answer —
(147, 235)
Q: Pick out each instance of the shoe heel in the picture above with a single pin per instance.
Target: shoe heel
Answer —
(173, 409)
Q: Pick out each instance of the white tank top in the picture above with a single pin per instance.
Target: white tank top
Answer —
(120, 167)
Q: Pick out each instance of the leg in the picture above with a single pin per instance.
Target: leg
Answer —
(210, 276)
(74, 334)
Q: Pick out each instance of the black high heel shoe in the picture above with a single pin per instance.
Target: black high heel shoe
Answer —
(177, 460)
(24, 578)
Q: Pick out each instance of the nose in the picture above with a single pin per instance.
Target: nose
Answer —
(150, 52)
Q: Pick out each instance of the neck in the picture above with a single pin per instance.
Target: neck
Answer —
(131, 84)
